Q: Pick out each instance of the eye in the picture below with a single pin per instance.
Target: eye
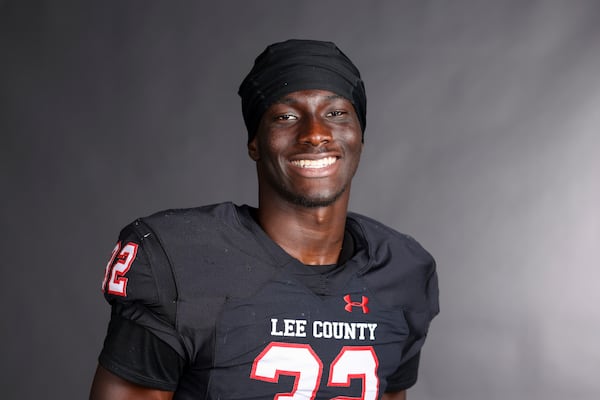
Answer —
(336, 113)
(285, 117)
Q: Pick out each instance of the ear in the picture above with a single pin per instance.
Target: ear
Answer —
(253, 149)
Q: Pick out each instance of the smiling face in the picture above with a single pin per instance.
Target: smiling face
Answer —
(307, 148)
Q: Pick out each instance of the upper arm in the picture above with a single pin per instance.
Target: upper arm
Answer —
(401, 395)
(142, 344)
(108, 386)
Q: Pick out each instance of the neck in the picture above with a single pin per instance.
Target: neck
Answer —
(313, 236)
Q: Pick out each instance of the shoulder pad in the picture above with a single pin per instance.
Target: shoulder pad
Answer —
(140, 272)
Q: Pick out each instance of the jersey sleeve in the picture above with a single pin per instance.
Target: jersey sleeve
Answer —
(406, 375)
(406, 279)
(420, 307)
(142, 344)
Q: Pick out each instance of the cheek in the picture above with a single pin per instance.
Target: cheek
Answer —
(354, 145)
(272, 151)
(355, 152)
(275, 145)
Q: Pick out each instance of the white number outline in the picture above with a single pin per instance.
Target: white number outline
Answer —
(110, 264)
(352, 362)
(279, 359)
(356, 362)
(117, 284)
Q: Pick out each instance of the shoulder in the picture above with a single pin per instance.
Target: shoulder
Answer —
(201, 243)
(205, 232)
(192, 226)
(152, 251)
(138, 274)
(384, 241)
(140, 259)
(399, 269)
(180, 218)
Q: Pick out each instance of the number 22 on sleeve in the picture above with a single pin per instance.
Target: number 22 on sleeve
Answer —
(120, 261)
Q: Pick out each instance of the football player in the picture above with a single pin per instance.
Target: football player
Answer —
(294, 299)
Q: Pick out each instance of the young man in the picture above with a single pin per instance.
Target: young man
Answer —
(296, 299)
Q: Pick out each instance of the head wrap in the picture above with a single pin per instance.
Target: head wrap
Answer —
(295, 65)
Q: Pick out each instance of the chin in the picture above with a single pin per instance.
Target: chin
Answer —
(316, 201)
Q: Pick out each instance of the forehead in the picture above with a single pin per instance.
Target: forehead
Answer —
(310, 95)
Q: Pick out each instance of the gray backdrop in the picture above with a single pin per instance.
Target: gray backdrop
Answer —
(482, 142)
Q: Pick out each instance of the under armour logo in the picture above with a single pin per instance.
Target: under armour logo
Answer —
(362, 304)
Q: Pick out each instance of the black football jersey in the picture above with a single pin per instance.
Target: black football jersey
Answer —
(207, 299)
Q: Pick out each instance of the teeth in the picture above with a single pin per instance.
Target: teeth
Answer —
(321, 163)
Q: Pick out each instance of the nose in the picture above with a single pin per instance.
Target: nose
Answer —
(314, 132)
